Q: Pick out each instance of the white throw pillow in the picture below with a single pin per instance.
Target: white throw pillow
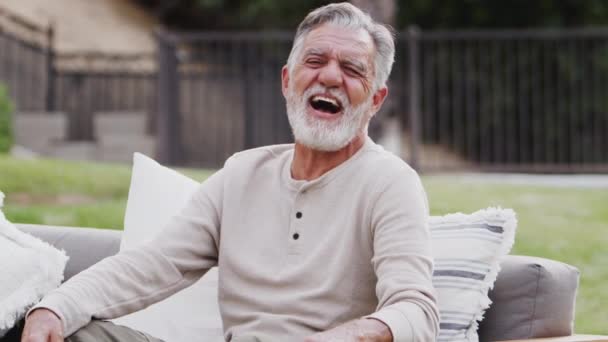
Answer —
(30, 269)
(156, 194)
(467, 251)
(467, 248)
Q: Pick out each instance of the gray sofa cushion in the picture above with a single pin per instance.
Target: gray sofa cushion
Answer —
(85, 247)
(532, 297)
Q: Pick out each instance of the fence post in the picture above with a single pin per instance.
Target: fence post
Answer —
(167, 125)
(249, 105)
(50, 69)
(414, 112)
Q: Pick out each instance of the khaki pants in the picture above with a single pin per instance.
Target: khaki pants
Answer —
(103, 331)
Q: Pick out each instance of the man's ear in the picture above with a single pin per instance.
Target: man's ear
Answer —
(284, 80)
(378, 98)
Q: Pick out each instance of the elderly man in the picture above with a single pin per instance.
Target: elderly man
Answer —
(322, 240)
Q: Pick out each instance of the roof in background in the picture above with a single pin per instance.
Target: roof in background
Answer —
(107, 26)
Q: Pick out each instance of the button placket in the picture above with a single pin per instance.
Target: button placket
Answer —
(297, 222)
(296, 234)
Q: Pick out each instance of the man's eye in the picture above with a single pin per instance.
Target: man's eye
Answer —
(313, 62)
(353, 72)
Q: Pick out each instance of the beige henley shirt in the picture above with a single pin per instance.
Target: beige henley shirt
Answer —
(294, 257)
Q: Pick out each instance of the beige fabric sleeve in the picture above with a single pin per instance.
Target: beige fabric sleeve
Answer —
(136, 278)
(402, 260)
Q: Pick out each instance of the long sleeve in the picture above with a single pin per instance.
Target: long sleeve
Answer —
(402, 260)
(181, 253)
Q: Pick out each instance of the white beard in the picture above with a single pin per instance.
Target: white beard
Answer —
(319, 134)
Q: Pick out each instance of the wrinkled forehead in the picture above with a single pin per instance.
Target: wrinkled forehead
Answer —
(340, 41)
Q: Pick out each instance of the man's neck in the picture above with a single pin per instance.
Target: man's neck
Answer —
(309, 164)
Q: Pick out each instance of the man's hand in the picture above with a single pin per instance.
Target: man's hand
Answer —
(360, 330)
(42, 325)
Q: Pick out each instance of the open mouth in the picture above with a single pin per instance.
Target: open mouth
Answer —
(325, 104)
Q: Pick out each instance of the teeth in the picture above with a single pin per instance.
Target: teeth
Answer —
(326, 99)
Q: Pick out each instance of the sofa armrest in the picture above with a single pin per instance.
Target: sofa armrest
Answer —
(84, 246)
(532, 297)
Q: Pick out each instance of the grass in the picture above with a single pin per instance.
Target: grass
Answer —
(565, 224)
(68, 193)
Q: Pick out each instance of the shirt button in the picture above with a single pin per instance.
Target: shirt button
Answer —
(296, 236)
(298, 215)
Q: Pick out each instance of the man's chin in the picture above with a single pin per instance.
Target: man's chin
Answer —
(323, 145)
(319, 134)
(320, 148)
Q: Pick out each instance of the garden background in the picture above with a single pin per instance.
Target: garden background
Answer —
(560, 219)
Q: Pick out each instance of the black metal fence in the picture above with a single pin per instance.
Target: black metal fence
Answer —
(79, 84)
(516, 100)
(81, 94)
(25, 64)
(532, 101)
(226, 90)
(529, 101)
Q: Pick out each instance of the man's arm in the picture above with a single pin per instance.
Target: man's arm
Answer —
(136, 278)
(402, 261)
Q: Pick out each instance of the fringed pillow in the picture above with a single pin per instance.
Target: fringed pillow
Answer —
(29, 268)
(467, 251)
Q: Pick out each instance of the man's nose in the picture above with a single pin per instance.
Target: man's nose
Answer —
(330, 75)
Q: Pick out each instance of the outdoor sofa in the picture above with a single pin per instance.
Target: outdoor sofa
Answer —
(532, 297)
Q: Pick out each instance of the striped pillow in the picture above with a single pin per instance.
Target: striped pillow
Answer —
(467, 251)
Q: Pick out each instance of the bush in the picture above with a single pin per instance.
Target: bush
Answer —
(6, 123)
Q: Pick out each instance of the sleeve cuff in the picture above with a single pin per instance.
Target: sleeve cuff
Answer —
(397, 322)
(38, 306)
(64, 308)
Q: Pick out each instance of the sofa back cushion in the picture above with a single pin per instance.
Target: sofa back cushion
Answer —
(85, 247)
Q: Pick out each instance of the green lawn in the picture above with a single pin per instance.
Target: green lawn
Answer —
(570, 225)
(68, 193)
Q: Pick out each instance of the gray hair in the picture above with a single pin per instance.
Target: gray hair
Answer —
(346, 15)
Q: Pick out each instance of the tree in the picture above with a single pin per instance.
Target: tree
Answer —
(232, 14)
(428, 14)
(446, 14)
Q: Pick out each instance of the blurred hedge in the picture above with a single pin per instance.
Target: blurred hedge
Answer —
(427, 14)
(6, 123)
